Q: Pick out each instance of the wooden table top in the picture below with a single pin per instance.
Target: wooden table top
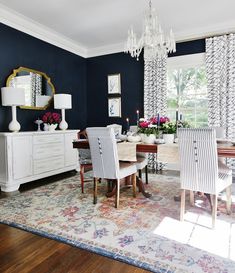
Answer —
(140, 147)
(224, 149)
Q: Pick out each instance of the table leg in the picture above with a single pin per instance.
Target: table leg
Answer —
(139, 184)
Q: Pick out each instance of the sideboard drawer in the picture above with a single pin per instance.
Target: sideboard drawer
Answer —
(47, 150)
(48, 139)
(46, 165)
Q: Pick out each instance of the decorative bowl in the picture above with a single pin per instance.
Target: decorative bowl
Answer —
(136, 138)
(122, 137)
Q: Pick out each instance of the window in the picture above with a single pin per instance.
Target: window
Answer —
(187, 89)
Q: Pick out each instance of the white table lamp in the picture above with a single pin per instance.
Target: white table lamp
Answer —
(63, 101)
(13, 97)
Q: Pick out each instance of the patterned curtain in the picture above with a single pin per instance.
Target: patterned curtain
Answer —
(220, 68)
(155, 94)
(36, 86)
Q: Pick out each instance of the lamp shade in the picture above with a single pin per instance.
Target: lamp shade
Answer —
(12, 96)
(62, 101)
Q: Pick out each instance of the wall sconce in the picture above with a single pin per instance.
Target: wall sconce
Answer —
(13, 97)
(63, 101)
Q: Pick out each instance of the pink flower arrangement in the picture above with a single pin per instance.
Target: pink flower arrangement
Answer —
(144, 124)
(152, 125)
(51, 118)
(148, 126)
(164, 120)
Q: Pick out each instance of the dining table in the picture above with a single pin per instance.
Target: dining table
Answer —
(225, 149)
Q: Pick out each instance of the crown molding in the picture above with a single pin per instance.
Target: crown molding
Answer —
(105, 50)
(20, 22)
(197, 33)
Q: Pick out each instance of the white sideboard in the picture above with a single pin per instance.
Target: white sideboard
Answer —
(28, 156)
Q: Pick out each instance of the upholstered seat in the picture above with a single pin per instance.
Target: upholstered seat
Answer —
(117, 129)
(105, 161)
(84, 159)
(200, 170)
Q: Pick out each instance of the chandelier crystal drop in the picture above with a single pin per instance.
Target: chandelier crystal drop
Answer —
(152, 40)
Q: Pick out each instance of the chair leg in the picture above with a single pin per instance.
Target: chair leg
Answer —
(146, 174)
(82, 177)
(182, 206)
(134, 184)
(95, 190)
(140, 174)
(214, 210)
(191, 197)
(117, 193)
(229, 199)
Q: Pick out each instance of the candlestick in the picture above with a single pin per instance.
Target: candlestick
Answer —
(127, 124)
(158, 120)
(137, 117)
(177, 115)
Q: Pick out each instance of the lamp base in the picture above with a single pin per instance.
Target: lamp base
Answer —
(14, 126)
(63, 125)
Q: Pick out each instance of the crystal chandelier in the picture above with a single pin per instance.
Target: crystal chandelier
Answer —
(153, 40)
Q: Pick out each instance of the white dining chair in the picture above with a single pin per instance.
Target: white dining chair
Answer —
(219, 132)
(133, 128)
(199, 168)
(104, 156)
(117, 129)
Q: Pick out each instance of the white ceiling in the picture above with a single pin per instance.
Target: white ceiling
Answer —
(96, 27)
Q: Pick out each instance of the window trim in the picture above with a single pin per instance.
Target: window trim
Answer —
(186, 61)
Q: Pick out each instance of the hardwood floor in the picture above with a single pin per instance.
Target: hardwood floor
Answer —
(24, 252)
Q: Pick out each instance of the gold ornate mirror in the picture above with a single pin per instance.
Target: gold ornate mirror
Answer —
(38, 88)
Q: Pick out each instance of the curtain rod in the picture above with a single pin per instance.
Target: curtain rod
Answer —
(206, 36)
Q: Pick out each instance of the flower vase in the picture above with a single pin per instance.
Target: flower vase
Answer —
(45, 127)
(168, 138)
(52, 127)
(49, 127)
(149, 139)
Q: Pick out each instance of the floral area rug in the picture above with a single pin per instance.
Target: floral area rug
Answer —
(130, 234)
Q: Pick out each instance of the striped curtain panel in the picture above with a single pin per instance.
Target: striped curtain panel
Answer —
(220, 69)
(155, 94)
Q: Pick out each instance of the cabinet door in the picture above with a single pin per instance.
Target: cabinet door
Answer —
(71, 155)
(22, 156)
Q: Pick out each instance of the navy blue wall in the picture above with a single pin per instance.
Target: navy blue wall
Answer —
(66, 70)
(131, 88)
(132, 83)
(85, 79)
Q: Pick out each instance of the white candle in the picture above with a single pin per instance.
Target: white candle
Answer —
(127, 124)
(137, 117)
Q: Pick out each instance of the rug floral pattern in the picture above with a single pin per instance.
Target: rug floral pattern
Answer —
(60, 211)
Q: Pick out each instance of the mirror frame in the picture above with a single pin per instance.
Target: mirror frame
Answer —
(14, 74)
